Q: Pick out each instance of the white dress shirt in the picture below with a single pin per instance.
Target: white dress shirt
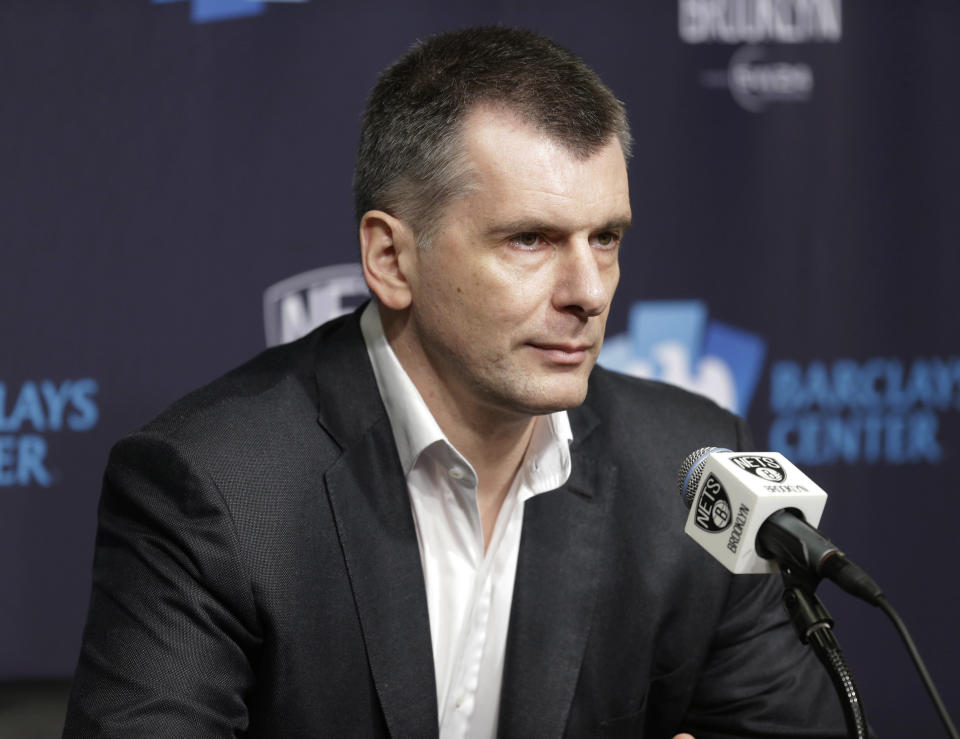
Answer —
(469, 591)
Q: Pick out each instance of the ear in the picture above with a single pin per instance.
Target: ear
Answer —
(385, 241)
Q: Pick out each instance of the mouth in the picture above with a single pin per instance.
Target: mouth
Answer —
(562, 353)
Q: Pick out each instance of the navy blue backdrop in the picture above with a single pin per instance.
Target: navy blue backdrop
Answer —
(795, 253)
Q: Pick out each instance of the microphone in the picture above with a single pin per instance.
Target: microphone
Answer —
(756, 512)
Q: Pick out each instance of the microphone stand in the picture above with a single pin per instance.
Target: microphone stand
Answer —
(815, 627)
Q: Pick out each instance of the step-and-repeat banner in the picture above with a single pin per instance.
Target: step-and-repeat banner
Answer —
(175, 188)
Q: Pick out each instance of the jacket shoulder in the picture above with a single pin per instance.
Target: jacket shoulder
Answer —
(260, 414)
(646, 415)
(615, 391)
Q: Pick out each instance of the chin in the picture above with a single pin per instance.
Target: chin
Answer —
(560, 400)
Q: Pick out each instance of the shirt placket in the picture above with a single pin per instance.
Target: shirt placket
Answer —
(470, 653)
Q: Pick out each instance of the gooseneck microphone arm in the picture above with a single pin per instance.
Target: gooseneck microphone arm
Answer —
(815, 627)
(805, 556)
(799, 548)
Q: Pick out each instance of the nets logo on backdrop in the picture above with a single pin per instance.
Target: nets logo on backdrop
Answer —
(767, 66)
(881, 410)
(30, 412)
(294, 307)
(207, 11)
(675, 342)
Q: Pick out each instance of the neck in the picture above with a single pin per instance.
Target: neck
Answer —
(494, 448)
(496, 456)
(494, 442)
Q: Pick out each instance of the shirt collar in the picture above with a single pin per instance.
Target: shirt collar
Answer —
(547, 462)
(414, 427)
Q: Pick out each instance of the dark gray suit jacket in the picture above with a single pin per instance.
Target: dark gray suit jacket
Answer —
(257, 573)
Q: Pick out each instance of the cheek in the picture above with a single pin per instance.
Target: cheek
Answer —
(612, 276)
(494, 297)
(486, 296)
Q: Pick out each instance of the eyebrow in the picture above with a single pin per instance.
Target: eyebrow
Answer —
(530, 226)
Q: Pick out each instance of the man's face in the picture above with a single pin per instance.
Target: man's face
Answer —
(510, 299)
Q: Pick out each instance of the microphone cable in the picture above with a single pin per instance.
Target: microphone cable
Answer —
(884, 605)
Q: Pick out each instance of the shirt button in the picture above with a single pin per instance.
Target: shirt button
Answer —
(457, 473)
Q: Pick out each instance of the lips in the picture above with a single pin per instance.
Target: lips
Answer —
(562, 353)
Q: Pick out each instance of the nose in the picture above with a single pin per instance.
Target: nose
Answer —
(586, 279)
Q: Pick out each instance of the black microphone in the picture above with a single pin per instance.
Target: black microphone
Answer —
(750, 510)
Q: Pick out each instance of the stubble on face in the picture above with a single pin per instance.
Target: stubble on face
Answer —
(510, 299)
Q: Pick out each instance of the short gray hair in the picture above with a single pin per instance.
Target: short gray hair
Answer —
(411, 162)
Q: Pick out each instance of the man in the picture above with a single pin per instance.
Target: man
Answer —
(436, 515)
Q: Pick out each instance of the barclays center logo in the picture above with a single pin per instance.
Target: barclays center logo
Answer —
(33, 411)
(676, 342)
(295, 306)
(878, 410)
(208, 11)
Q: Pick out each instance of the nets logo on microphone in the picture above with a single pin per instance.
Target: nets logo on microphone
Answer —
(207, 11)
(674, 341)
(713, 512)
(766, 468)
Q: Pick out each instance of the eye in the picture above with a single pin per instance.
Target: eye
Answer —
(606, 240)
(527, 241)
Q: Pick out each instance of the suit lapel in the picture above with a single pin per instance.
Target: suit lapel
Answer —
(368, 498)
(561, 550)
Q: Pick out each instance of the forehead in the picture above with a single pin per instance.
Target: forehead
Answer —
(517, 172)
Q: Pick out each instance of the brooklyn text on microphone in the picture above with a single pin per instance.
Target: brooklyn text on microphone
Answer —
(733, 493)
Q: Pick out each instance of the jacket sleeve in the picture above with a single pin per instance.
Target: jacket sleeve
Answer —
(759, 680)
(172, 621)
